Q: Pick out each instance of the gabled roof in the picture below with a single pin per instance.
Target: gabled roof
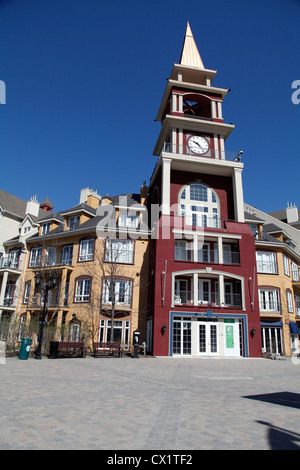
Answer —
(83, 207)
(12, 204)
(16, 206)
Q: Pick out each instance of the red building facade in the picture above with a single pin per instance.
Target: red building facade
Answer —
(203, 285)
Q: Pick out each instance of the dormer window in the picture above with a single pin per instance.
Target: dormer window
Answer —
(45, 228)
(73, 222)
(127, 220)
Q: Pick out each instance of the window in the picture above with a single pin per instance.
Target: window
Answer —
(86, 252)
(45, 228)
(266, 262)
(181, 292)
(83, 290)
(119, 251)
(50, 256)
(269, 300)
(35, 257)
(67, 255)
(9, 293)
(230, 254)
(286, 265)
(73, 222)
(289, 299)
(183, 250)
(117, 291)
(121, 332)
(182, 335)
(14, 259)
(204, 291)
(295, 271)
(27, 292)
(128, 220)
(199, 205)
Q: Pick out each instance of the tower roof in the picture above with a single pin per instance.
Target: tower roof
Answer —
(190, 55)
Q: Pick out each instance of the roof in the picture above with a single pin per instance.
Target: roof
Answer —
(80, 208)
(17, 206)
(190, 55)
(127, 199)
(47, 202)
(12, 204)
(253, 217)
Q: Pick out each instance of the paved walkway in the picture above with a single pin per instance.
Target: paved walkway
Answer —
(149, 403)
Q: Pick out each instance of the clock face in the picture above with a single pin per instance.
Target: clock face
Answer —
(198, 144)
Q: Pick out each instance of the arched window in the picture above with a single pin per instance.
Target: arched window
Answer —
(199, 204)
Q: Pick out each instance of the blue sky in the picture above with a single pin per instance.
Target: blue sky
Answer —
(84, 80)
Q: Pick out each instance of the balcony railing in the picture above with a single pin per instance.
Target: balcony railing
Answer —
(10, 263)
(206, 256)
(267, 267)
(210, 299)
(270, 306)
(48, 262)
(212, 153)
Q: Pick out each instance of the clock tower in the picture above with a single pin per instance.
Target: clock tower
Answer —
(203, 253)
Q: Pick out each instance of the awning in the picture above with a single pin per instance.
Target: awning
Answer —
(294, 328)
(271, 323)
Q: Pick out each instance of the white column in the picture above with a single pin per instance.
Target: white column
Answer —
(165, 183)
(238, 195)
(3, 287)
(220, 250)
(216, 145)
(195, 283)
(180, 103)
(219, 104)
(174, 102)
(222, 148)
(221, 290)
(213, 109)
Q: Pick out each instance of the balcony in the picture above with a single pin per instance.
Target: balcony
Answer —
(50, 262)
(211, 153)
(9, 263)
(210, 299)
(270, 307)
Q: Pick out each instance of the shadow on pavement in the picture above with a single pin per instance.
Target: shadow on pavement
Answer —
(280, 438)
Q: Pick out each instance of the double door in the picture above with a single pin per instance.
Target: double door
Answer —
(208, 338)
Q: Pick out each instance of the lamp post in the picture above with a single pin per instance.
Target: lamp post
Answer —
(51, 283)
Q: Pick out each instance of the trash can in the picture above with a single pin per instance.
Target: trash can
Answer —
(53, 350)
(25, 348)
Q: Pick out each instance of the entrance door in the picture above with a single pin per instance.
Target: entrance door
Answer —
(208, 338)
(232, 338)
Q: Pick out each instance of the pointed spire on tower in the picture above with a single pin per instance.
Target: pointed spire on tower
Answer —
(190, 55)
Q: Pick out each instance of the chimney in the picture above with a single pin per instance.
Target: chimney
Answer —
(33, 206)
(144, 193)
(291, 213)
(90, 197)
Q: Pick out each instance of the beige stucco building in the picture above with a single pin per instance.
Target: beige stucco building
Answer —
(98, 250)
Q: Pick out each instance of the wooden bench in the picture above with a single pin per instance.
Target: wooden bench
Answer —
(107, 349)
(71, 349)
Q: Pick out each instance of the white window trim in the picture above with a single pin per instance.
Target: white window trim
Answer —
(83, 290)
(86, 250)
(119, 251)
(199, 212)
(118, 282)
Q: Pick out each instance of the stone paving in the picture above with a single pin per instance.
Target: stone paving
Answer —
(149, 404)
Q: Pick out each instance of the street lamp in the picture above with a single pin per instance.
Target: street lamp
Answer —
(51, 283)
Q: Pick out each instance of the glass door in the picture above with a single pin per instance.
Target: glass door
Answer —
(208, 338)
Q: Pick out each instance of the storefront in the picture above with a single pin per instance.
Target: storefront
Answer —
(208, 334)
